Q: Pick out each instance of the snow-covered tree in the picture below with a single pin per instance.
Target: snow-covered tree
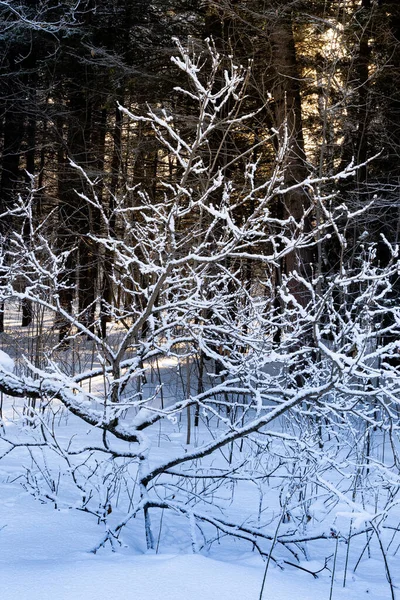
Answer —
(288, 377)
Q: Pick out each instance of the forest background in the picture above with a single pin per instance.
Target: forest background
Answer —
(199, 220)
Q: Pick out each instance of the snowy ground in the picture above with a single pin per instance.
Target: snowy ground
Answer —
(45, 554)
(46, 551)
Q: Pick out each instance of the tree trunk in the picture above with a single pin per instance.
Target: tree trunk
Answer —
(288, 122)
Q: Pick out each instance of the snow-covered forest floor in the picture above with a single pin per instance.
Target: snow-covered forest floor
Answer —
(44, 556)
(51, 540)
(46, 550)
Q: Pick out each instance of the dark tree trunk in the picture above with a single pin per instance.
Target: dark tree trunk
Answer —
(288, 122)
(106, 300)
(13, 131)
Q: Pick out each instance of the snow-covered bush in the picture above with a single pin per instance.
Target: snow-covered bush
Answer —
(257, 400)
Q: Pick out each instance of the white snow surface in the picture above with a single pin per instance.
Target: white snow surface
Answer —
(45, 554)
(6, 362)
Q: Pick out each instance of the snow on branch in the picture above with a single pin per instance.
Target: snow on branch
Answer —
(223, 316)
